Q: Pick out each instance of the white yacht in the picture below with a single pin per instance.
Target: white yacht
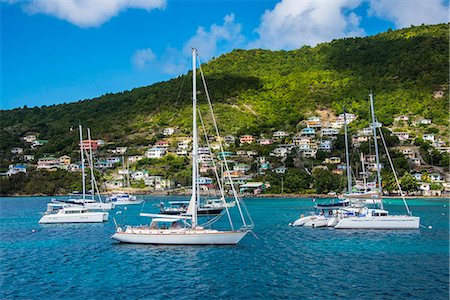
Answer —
(124, 199)
(68, 213)
(185, 229)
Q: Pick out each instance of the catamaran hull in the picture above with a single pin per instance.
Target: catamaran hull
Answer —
(218, 238)
(99, 206)
(387, 222)
(91, 217)
(127, 202)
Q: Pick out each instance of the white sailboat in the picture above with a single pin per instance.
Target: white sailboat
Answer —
(124, 198)
(185, 229)
(379, 218)
(88, 203)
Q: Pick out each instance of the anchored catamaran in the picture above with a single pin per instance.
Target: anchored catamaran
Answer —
(185, 229)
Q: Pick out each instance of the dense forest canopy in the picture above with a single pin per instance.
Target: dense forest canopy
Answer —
(258, 91)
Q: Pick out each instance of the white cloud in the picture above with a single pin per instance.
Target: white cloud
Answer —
(405, 13)
(141, 59)
(87, 13)
(210, 42)
(292, 24)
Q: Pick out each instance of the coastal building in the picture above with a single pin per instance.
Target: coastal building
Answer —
(229, 139)
(204, 150)
(103, 164)
(232, 174)
(423, 122)
(325, 145)
(247, 139)
(101, 143)
(253, 187)
(120, 150)
(204, 180)
(436, 177)
(224, 155)
(158, 182)
(15, 169)
(252, 152)
(408, 152)
(139, 175)
(310, 153)
(114, 159)
(183, 144)
(279, 152)
(155, 152)
(417, 176)
(415, 161)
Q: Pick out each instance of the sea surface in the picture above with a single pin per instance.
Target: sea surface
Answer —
(82, 262)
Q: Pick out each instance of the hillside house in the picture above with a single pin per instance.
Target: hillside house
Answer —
(280, 134)
(168, 131)
(155, 152)
(428, 137)
(28, 157)
(325, 145)
(280, 170)
(301, 140)
(30, 138)
(64, 160)
(182, 152)
(15, 169)
(253, 187)
(204, 150)
(135, 158)
(101, 143)
(423, 122)
(16, 150)
(348, 116)
(332, 160)
(103, 164)
(224, 155)
(89, 144)
(408, 152)
(158, 182)
(313, 122)
(401, 119)
(252, 152)
(402, 136)
(247, 139)
(204, 181)
(436, 177)
(415, 161)
(308, 131)
(279, 152)
(113, 159)
(265, 142)
(162, 144)
(310, 153)
(329, 132)
(139, 175)
(48, 163)
(120, 150)
(229, 139)
(242, 167)
(38, 143)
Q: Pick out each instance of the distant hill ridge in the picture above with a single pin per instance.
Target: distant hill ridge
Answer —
(257, 91)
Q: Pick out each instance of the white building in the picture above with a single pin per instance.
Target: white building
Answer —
(242, 167)
(29, 138)
(402, 136)
(28, 157)
(120, 150)
(15, 169)
(329, 131)
(135, 158)
(113, 159)
(325, 145)
(155, 152)
(279, 152)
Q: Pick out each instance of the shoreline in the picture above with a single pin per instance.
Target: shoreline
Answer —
(169, 194)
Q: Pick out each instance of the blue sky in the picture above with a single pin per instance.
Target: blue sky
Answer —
(56, 51)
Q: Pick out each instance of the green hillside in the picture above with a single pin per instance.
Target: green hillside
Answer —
(257, 91)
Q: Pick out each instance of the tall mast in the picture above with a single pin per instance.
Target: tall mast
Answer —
(82, 161)
(349, 171)
(91, 163)
(194, 139)
(374, 127)
(364, 172)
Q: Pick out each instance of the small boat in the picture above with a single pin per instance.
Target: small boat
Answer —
(68, 213)
(124, 199)
(86, 203)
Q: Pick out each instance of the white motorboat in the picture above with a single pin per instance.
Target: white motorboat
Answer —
(87, 203)
(124, 199)
(67, 213)
(185, 229)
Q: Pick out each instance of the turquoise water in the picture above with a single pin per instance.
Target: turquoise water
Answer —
(82, 262)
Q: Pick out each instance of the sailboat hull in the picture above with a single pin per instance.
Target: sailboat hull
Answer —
(187, 237)
(89, 217)
(383, 222)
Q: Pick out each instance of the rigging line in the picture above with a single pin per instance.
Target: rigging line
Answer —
(238, 200)
(393, 171)
(215, 171)
(183, 80)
